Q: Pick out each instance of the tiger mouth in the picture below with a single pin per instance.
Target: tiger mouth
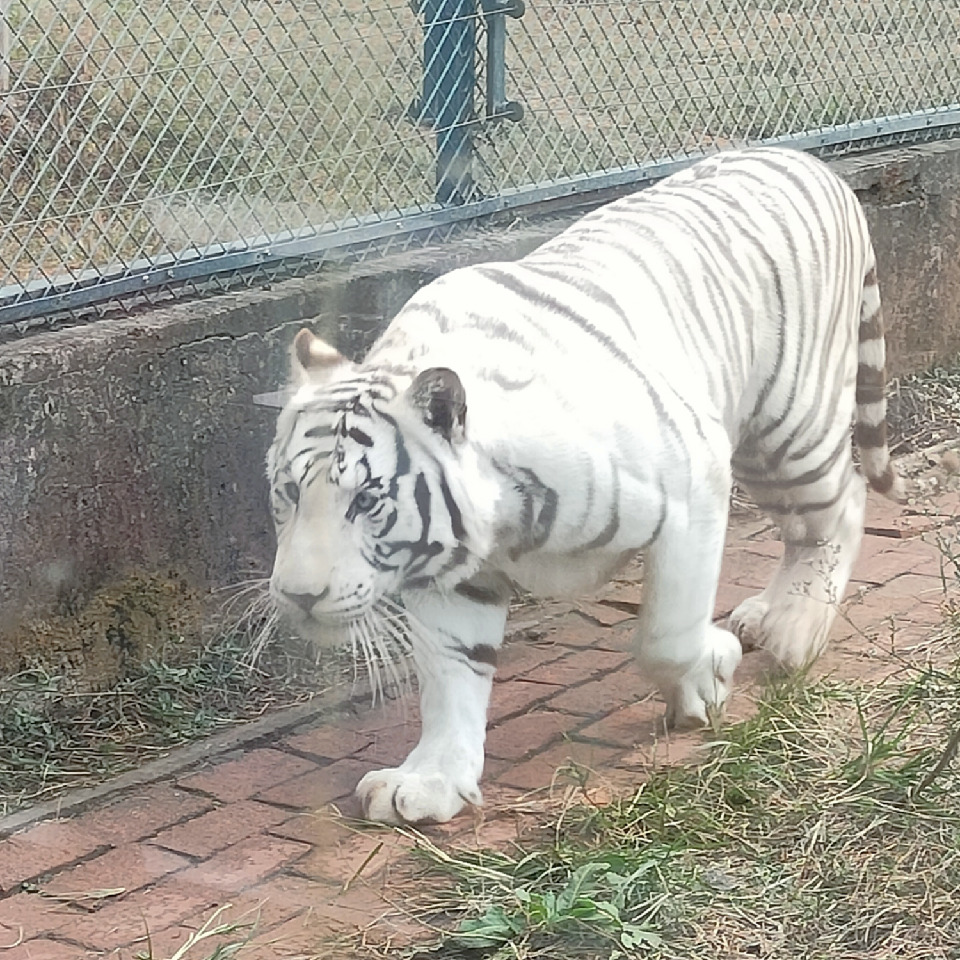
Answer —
(341, 620)
(300, 613)
(327, 632)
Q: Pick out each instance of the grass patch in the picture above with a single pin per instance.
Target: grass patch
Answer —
(827, 826)
(55, 736)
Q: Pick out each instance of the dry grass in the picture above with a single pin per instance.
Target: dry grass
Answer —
(58, 734)
(923, 409)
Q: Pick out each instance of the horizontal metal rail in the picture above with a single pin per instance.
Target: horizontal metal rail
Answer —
(339, 240)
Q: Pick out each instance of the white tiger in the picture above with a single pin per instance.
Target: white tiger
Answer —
(541, 422)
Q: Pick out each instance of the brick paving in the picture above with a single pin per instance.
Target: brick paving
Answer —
(257, 833)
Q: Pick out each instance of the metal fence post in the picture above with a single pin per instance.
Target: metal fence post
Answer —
(449, 80)
(5, 45)
(495, 13)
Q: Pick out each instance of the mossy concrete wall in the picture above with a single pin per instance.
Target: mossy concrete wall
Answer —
(131, 447)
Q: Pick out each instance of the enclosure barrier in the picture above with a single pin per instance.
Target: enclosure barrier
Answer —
(150, 150)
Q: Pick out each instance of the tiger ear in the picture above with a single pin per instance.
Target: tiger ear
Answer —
(313, 360)
(438, 395)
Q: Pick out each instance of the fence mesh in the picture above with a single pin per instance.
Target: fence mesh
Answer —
(147, 145)
(608, 83)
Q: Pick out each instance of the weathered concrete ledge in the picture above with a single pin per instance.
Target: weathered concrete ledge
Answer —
(131, 446)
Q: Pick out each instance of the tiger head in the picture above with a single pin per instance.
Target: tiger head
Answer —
(366, 485)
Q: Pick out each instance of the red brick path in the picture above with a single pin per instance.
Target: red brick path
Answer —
(255, 829)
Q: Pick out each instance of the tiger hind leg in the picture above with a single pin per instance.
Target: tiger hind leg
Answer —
(792, 617)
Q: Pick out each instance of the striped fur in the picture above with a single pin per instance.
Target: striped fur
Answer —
(543, 421)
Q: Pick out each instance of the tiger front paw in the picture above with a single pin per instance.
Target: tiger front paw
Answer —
(407, 796)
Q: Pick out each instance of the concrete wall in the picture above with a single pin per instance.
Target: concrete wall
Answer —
(912, 201)
(131, 446)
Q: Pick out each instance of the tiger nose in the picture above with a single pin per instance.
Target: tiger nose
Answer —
(306, 601)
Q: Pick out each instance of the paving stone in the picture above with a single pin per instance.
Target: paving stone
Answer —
(628, 725)
(261, 906)
(880, 511)
(872, 545)
(239, 867)
(245, 776)
(939, 564)
(924, 589)
(745, 567)
(166, 942)
(344, 854)
(27, 915)
(898, 559)
(510, 698)
(128, 868)
(911, 520)
(285, 893)
(576, 631)
(313, 790)
(518, 659)
(292, 868)
(499, 801)
(882, 608)
(750, 525)
(769, 547)
(329, 742)
(382, 717)
(127, 919)
(517, 738)
(140, 814)
(643, 760)
(598, 697)
(626, 589)
(309, 827)
(44, 949)
(389, 748)
(42, 848)
(579, 665)
(305, 936)
(604, 614)
(503, 826)
(545, 769)
(379, 916)
(219, 828)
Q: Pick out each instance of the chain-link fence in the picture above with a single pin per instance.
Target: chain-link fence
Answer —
(145, 148)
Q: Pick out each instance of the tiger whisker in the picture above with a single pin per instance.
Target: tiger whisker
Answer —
(242, 584)
(254, 601)
(422, 640)
(399, 656)
(370, 661)
(239, 592)
(354, 655)
(266, 633)
(254, 611)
